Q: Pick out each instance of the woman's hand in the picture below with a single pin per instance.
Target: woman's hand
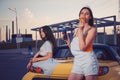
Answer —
(28, 65)
(62, 35)
(67, 37)
(81, 23)
(33, 60)
(67, 40)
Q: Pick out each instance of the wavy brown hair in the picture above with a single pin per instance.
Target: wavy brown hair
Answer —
(48, 35)
(91, 21)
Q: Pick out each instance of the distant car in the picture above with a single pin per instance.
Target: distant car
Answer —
(108, 58)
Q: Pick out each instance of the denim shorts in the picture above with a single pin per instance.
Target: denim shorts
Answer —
(85, 63)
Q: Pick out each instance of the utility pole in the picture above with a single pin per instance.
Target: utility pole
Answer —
(14, 10)
(17, 38)
(12, 27)
(6, 33)
(9, 35)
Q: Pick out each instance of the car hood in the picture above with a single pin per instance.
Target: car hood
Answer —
(108, 63)
(63, 70)
(114, 70)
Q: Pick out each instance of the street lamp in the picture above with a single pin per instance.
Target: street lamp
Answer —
(14, 10)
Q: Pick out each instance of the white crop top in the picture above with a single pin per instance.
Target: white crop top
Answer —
(45, 48)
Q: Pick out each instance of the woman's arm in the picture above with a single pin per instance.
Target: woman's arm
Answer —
(36, 54)
(49, 55)
(68, 41)
(84, 42)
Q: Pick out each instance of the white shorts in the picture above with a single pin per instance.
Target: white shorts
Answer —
(85, 63)
(47, 65)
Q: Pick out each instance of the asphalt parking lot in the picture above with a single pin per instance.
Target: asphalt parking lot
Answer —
(13, 66)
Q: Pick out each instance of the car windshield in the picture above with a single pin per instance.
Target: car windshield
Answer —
(63, 53)
(103, 54)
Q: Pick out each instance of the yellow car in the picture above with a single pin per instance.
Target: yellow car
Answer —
(108, 58)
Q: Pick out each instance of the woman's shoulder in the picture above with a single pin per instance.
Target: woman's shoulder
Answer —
(93, 28)
(75, 31)
(47, 42)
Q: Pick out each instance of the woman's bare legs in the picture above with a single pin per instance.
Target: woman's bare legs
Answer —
(91, 77)
(74, 76)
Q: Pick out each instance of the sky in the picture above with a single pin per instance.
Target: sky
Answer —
(36, 13)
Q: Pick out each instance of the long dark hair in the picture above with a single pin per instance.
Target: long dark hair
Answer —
(91, 21)
(48, 35)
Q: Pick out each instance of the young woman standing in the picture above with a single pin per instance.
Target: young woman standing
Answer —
(85, 61)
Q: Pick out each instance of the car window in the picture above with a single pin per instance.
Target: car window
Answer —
(63, 53)
(102, 54)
